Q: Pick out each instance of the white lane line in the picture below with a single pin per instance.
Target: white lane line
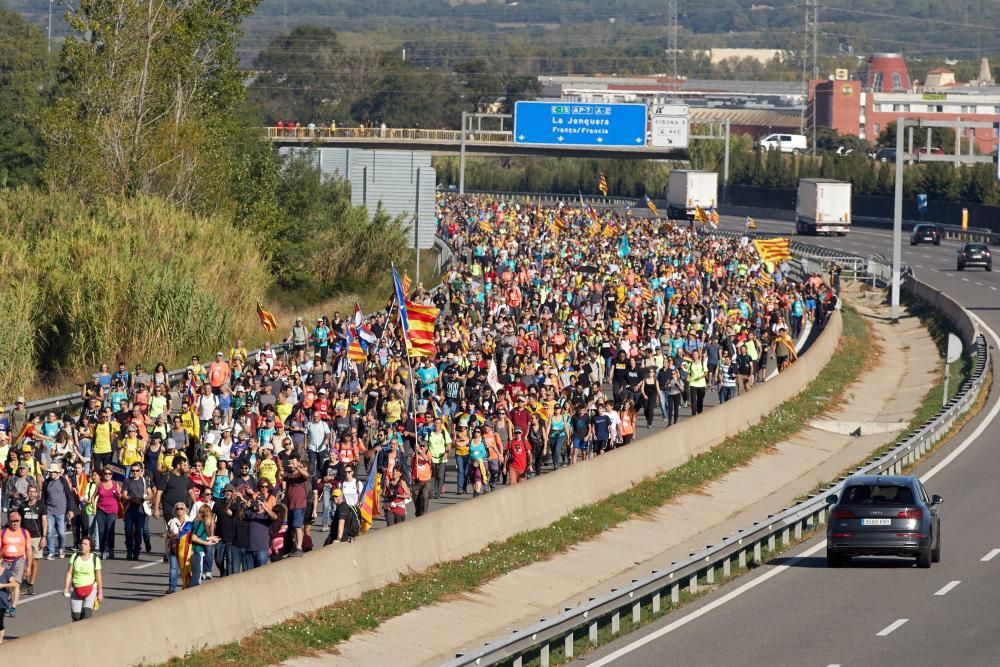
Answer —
(980, 284)
(24, 601)
(715, 604)
(919, 266)
(892, 627)
(990, 556)
(950, 275)
(965, 280)
(750, 585)
(145, 565)
(990, 416)
(926, 256)
(947, 587)
(993, 288)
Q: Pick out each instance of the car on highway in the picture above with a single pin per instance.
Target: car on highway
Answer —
(925, 234)
(883, 515)
(974, 254)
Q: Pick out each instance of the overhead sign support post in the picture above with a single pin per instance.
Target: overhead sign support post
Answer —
(578, 124)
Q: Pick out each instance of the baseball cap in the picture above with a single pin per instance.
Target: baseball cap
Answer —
(337, 493)
(19, 399)
(228, 487)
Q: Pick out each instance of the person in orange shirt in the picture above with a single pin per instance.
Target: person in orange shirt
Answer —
(218, 373)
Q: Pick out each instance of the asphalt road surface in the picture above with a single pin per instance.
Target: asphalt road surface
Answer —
(128, 582)
(795, 611)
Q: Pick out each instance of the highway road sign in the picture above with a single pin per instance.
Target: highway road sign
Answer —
(579, 124)
(669, 125)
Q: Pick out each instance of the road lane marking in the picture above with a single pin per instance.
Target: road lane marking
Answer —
(947, 587)
(145, 565)
(980, 284)
(950, 275)
(993, 288)
(919, 266)
(990, 416)
(892, 627)
(24, 601)
(990, 556)
(750, 585)
(926, 256)
(965, 280)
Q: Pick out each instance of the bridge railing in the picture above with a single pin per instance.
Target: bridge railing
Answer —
(750, 545)
(306, 134)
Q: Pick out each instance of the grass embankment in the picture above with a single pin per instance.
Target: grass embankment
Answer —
(321, 630)
(138, 280)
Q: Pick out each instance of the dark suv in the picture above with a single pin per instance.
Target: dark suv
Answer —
(925, 234)
(974, 254)
(883, 516)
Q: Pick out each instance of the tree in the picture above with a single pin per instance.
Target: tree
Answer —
(300, 75)
(147, 100)
(24, 79)
(941, 137)
(408, 96)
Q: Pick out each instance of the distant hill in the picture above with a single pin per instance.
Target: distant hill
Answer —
(956, 28)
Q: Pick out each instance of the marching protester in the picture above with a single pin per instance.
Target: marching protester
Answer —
(555, 334)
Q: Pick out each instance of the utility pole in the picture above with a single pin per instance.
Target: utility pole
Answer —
(672, 30)
(815, 58)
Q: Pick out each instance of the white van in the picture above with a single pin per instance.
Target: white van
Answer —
(786, 143)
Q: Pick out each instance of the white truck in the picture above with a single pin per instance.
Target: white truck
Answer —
(689, 189)
(823, 207)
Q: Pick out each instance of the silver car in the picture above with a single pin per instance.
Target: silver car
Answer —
(883, 516)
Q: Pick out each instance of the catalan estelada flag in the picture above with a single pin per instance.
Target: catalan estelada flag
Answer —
(773, 250)
(355, 349)
(602, 185)
(266, 319)
(700, 215)
(368, 504)
(713, 217)
(407, 283)
(751, 224)
(420, 329)
(184, 553)
(652, 207)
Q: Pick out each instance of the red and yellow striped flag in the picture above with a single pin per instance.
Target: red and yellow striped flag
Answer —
(774, 250)
(266, 319)
(420, 329)
(407, 283)
(602, 184)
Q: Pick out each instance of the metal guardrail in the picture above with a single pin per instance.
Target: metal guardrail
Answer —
(68, 401)
(747, 546)
(549, 198)
(391, 134)
(951, 232)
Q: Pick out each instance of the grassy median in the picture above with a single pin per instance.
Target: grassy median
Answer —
(321, 630)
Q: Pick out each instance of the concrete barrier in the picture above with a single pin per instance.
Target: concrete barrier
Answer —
(944, 304)
(233, 607)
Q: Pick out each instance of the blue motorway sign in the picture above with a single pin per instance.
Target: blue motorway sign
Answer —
(580, 124)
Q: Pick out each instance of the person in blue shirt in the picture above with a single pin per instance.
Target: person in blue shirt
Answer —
(427, 377)
(321, 338)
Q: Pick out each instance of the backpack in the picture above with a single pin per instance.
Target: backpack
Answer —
(352, 528)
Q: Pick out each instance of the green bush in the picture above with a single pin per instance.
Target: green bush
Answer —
(136, 280)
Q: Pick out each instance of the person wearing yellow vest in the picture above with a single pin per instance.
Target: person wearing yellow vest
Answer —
(697, 381)
(104, 442)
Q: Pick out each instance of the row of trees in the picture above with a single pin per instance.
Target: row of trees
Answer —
(770, 169)
(309, 75)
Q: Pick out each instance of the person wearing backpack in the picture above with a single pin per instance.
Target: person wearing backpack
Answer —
(346, 522)
(83, 585)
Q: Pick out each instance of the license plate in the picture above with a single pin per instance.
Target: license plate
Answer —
(876, 522)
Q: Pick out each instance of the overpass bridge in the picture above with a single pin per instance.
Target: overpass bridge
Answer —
(449, 142)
